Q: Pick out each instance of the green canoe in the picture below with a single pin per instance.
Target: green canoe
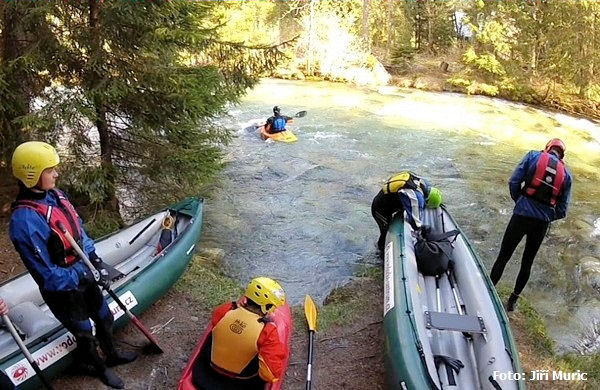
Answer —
(430, 326)
(148, 276)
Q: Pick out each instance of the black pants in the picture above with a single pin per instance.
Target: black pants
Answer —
(520, 226)
(74, 309)
(383, 208)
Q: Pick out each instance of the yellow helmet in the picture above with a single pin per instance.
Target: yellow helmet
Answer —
(266, 293)
(30, 159)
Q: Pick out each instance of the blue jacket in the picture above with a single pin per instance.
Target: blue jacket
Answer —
(30, 233)
(280, 126)
(529, 207)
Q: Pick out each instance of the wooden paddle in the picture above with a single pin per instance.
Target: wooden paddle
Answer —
(25, 351)
(310, 311)
(154, 348)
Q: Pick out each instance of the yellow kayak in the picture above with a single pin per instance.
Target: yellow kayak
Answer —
(282, 136)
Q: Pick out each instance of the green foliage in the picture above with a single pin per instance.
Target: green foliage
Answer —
(403, 55)
(374, 272)
(486, 64)
(152, 78)
(101, 223)
(341, 307)
(207, 285)
(533, 325)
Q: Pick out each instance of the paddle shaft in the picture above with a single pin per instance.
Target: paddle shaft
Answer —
(114, 296)
(25, 351)
(311, 337)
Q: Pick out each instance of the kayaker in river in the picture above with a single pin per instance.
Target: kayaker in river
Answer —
(244, 349)
(404, 191)
(277, 122)
(65, 282)
(541, 188)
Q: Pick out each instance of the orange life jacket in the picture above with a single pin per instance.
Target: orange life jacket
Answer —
(234, 342)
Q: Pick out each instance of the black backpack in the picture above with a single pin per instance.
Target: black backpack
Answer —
(434, 250)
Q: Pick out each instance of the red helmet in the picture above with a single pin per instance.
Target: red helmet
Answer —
(556, 143)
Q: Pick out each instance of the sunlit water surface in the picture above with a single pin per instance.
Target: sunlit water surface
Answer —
(300, 212)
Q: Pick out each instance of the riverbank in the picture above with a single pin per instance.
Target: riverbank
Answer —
(446, 72)
(349, 342)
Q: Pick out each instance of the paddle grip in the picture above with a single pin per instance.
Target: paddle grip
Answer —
(311, 335)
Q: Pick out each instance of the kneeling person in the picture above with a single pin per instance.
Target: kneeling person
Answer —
(244, 346)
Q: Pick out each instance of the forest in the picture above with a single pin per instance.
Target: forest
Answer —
(132, 90)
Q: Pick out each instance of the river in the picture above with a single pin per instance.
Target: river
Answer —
(300, 212)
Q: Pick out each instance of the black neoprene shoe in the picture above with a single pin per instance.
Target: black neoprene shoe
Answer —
(120, 357)
(512, 302)
(109, 378)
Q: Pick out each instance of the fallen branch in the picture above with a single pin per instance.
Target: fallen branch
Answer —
(157, 328)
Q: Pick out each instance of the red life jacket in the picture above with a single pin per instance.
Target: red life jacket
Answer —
(546, 183)
(65, 213)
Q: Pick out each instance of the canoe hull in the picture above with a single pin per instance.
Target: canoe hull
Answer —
(53, 352)
(411, 342)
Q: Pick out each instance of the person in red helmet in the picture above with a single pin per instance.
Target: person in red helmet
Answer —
(541, 188)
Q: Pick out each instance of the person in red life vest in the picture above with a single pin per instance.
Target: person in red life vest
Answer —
(65, 282)
(244, 350)
(541, 188)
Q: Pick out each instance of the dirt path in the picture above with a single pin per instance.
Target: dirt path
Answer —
(346, 357)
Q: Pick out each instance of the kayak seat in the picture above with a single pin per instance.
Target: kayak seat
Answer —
(30, 320)
(451, 321)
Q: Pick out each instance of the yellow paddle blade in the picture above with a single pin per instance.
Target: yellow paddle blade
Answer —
(310, 310)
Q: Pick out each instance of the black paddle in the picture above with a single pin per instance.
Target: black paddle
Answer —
(310, 311)
(154, 348)
(299, 114)
(25, 351)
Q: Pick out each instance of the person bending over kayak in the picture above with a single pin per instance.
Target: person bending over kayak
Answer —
(277, 122)
(244, 349)
(541, 188)
(407, 192)
(65, 282)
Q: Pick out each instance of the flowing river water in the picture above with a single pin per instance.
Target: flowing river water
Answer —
(300, 212)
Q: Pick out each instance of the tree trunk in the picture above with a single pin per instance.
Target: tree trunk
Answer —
(390, 31)
(311, 22)
(16, 104)
(365, 25)
(430, 29)
(95, 79)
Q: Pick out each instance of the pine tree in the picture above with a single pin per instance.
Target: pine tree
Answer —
(140, 87)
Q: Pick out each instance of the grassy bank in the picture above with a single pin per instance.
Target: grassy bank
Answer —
(208, 286)
(537, 350)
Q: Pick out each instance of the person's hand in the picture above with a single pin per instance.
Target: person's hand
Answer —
(104, 279)
(3, 307)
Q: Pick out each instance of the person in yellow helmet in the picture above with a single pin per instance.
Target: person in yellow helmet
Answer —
(65, 282)
(244, 348)
(407, 192)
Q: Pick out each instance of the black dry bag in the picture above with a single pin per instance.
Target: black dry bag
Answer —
(434, 250)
